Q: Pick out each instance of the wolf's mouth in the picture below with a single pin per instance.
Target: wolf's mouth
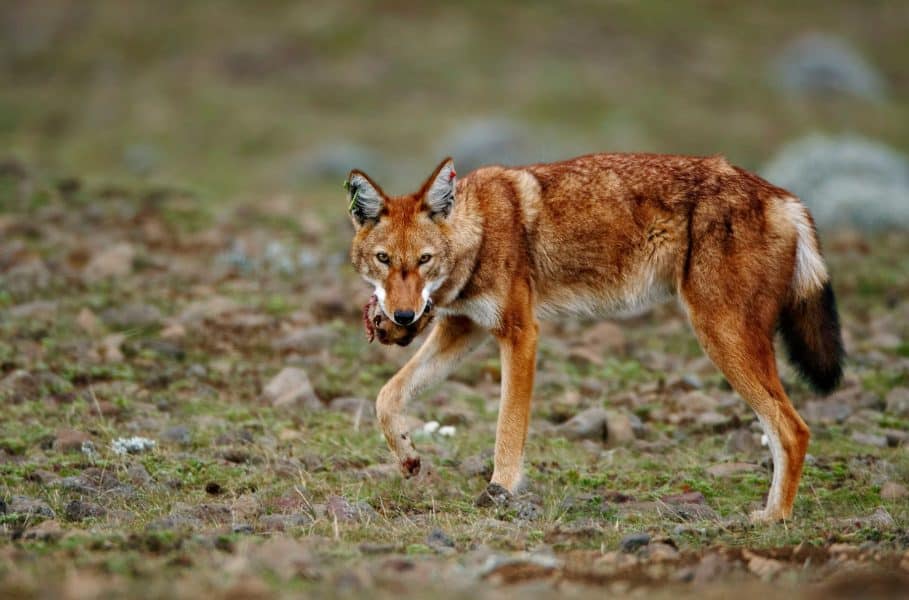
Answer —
(379, 326)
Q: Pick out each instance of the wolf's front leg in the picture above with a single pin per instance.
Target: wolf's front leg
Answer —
(452, 339)
(518, 350)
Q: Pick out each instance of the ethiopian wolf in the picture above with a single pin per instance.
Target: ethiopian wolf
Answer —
(603, 234)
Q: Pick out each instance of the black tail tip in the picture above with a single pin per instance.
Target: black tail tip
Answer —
(811, 333)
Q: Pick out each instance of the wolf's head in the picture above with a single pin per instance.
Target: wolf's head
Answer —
(402, 244)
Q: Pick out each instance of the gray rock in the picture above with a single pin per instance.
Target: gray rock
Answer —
(590, 424)
(742, 441)
(29, 507)
(307, 340)
(139, 475)
(26, 279)
(898, 402)
(493, 495)
(891, 490)
(826, 411)
(869, 439)
(175, 522)
(478, 465)
(439, 541)
(77, 510)
(284, 522)
(19, 386)
(178, 434)
(291, 388)
(729, 469)
(70, 440)
(141, 159)
(825, 65)
(879, 519)
(113, 261)
(354, 406)
(129, 316)
(242, 528)
(484, 142)
(524, 562)
(333, 162)
(846, 181)
(632, 542)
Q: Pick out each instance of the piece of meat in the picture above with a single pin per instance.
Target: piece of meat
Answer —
(380, 327)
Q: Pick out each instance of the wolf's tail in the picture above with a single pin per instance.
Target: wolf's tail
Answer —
(809, 321)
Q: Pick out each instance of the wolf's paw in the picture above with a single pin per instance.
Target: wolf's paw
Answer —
(410, 466)
(493, 495)
(766, 516)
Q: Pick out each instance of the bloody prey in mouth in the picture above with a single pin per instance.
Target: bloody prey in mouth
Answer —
(378, 326)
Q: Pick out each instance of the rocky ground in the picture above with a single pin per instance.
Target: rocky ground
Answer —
(187, 409)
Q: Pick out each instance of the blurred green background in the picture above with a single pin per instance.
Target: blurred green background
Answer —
(236, 100)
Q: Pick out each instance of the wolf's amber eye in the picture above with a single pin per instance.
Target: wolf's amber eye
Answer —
(382, 258)
(425, 258)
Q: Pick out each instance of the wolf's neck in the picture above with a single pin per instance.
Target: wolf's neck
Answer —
(466, 241)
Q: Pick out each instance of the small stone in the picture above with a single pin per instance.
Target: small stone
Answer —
(139, 475)
(605, 336)
(290, 388)
(178, 434)
(439, 541)
(44, 532)
(242, 528)
(478, 465)
(869, 439)
(898, 402)
(590, 424)
(742, 441)
(308, 340)
(527, 507)
(354, 406)
(339, 508)
(731, 468)
(713, 421)
(493, 495)
(880, 519)
(685, 498)
(765, 568)
(29, 507)
(834, 409)
(115, 261)
(371, 549)
(284, 522)
(130, 316)
(620, 428)
(70, 440)
(88, 322)
(892, 490)
(20, 386)
(77, 510)
(632, 542)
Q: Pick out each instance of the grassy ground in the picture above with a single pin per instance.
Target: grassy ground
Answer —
(177, 342)
(164, 254)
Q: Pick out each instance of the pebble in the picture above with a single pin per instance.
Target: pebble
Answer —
(892, 490)
(77, 510)
(291, 388)
(632, 542)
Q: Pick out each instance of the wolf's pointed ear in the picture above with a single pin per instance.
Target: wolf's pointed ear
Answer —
(439, 189)
(365, 198)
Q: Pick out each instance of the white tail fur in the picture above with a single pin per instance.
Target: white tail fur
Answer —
(810, 271)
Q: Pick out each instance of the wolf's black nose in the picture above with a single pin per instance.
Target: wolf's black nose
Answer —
(404, 317)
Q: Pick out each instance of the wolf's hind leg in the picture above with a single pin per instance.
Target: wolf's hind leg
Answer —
(743, 350)
(452, 339)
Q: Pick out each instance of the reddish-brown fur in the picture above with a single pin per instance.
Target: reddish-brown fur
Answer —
(600, 234)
